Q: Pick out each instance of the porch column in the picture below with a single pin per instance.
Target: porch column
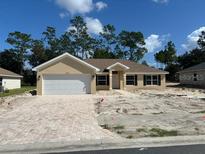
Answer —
(110, 79)
(124, 80)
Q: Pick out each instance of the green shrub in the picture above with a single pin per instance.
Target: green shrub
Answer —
(157, 132)
(129, 137)
(119, 127)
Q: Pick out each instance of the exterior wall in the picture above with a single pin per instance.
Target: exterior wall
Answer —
(65, 66)
(107, 87)
(140, 83)
(39, 84)
(121, 80)
(102, 87)
(11, 83)
(187, 78)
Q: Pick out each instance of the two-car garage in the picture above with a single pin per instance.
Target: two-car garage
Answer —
(65, 75)
(66, 84)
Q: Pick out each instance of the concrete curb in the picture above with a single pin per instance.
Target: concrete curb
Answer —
(85, 145)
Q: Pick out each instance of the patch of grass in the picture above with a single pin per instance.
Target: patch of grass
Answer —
(157, 132)
(203, 111)
(137, 114)
(119, 132)
(125, 111)
(140, 130)
(105, 126)
(158, 113)
(197, 129)
(17, 91)
(119, 127)
(129, 137)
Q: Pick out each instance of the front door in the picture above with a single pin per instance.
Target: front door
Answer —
(115, 80)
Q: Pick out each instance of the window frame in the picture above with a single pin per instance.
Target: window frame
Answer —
(101, 80)
(155, 80)
(1, 81)
(195, 77)
(131, 80)
(152, 81)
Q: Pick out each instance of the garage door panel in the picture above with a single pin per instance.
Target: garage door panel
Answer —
(66, 84)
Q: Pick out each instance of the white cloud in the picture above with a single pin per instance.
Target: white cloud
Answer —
(100, 5)
(76, 6)
(94, 25)
(80, 6)
(63, 15)
(192, 39)
(160, 1)
(153, 42)
(70, 28)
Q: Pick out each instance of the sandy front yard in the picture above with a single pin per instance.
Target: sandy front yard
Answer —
(27, 119)
(30, 119)
(142, 113)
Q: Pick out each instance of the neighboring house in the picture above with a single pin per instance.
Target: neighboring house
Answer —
(193, 75)
(67, 74)
(9, 80)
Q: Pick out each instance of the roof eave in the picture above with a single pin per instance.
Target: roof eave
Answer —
(118, 63)
(149, 72)
(196, 70)
(16, 76)
(61, 57)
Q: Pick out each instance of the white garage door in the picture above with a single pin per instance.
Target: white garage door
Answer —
(66, 84)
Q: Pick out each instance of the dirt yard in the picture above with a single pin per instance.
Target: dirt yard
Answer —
(33, 119)
(143, 113)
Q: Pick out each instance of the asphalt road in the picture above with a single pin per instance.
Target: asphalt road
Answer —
(188, 149)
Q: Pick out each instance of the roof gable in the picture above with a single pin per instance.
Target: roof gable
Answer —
(54, 60)
(118, 64)
(7, 73)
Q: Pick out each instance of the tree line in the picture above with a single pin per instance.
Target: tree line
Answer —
(174, 63)
(77, 41)
(27, 51)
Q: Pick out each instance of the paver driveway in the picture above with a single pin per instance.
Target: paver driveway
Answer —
(50, 119)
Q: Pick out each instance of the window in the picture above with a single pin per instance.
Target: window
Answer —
(152, 80)
(195, 77)
(0, 81)
(155, 80)
(131, 80)
(101, 79)
(148, 80)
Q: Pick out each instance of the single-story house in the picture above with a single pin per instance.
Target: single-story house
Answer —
(194, 75)
(67, 74)
(9, 80)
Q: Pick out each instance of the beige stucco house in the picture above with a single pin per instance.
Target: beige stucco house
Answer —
(193, 75)
(9, 80)
(67, 74)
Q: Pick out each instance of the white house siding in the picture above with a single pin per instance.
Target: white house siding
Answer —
(11, 83)
(188, 78)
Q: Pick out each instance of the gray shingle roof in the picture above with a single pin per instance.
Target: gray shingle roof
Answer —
(102, 64)
(4, 72)
(194, 68)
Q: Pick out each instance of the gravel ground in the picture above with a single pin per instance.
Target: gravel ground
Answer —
(32, 119)
(143, 113)
(50, 119)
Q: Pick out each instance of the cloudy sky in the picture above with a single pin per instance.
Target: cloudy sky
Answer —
(159, 20)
